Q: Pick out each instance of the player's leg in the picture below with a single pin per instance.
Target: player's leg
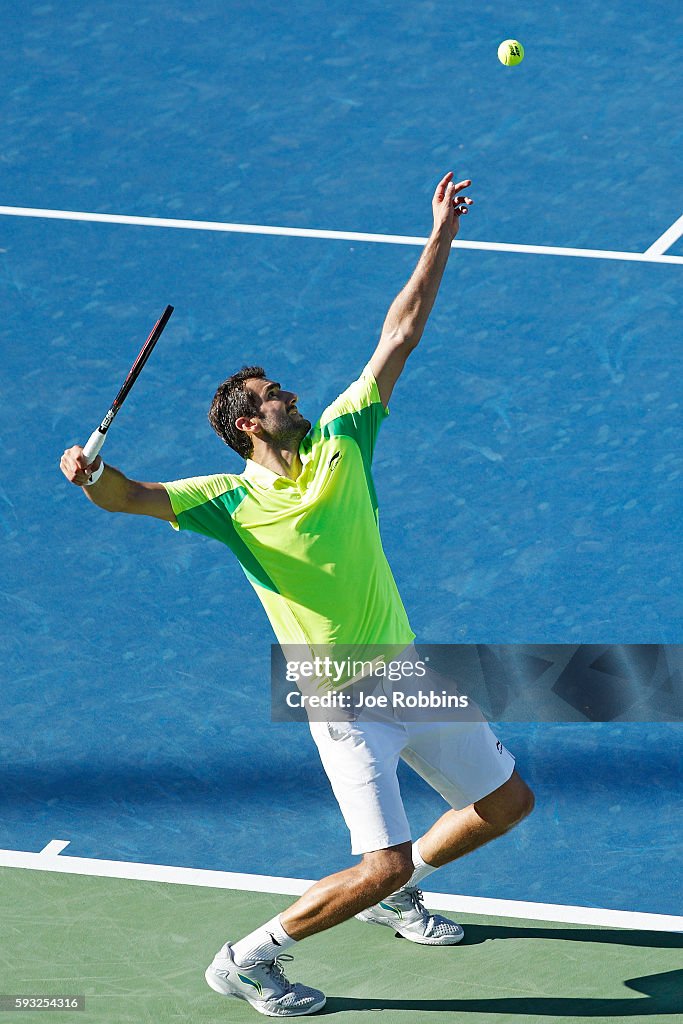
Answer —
(249, 969)
(361, 766)
(458, 832)
(469, 766)
(361, 760)
(338, 897)
(472, 770)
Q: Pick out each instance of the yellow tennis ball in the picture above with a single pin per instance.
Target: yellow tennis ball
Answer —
(510, 52)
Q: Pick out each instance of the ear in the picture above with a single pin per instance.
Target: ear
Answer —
(249, 424)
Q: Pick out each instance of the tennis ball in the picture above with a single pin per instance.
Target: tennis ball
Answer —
(510, 52)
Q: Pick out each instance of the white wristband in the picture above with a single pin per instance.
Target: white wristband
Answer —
(94, 477)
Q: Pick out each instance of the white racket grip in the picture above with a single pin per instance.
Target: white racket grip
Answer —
(91, 448)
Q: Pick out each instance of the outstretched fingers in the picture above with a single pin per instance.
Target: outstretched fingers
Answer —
(460, 203)
(442, 186)
(449, 189)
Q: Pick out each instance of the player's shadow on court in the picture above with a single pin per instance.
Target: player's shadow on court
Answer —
(663, 992)
(478, 933)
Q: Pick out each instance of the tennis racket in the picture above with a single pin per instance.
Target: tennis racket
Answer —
(99, 436)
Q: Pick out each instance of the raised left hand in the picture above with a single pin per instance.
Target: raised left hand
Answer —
(448, 206)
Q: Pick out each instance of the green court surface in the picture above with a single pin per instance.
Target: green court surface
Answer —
(137, 951)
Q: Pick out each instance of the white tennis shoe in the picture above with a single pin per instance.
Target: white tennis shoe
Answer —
(263, 985)
(405, 912)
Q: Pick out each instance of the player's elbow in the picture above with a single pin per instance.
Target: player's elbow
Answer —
(400, 338)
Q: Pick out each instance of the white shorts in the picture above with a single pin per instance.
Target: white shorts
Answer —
(463, 761)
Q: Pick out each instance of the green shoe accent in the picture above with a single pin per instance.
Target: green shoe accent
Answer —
(394, 910)
(250, 981)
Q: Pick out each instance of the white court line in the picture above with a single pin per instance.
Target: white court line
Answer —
(666, 240)
(49, 860)
(347, 236)
(54, 847)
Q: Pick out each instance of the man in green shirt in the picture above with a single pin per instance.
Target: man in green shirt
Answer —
(302, 519)
(309, 544)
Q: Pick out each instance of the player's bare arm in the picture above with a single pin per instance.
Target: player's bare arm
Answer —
(410, 310)
(114, 491)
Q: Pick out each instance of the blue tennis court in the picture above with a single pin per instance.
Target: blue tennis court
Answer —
(529, 474)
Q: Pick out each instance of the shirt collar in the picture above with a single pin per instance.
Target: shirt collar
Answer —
(259, 474)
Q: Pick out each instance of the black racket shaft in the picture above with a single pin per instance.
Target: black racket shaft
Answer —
(98, 436)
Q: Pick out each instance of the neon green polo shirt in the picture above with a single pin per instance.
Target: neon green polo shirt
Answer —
(310, 547)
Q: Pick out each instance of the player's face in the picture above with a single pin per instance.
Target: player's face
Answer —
(281, 421)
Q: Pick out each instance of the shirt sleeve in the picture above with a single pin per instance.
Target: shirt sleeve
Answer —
(358, 412)
(196, 505)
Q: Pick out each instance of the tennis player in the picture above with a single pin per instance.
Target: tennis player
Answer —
(302, 520)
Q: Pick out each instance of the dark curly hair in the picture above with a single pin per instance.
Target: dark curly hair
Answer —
(232, 400)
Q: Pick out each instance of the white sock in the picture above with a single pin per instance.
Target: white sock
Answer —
(422, 868)
(266, 943)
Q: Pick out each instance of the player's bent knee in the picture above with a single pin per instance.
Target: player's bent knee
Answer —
(508, 805)
(521, 807)
(521, 804)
